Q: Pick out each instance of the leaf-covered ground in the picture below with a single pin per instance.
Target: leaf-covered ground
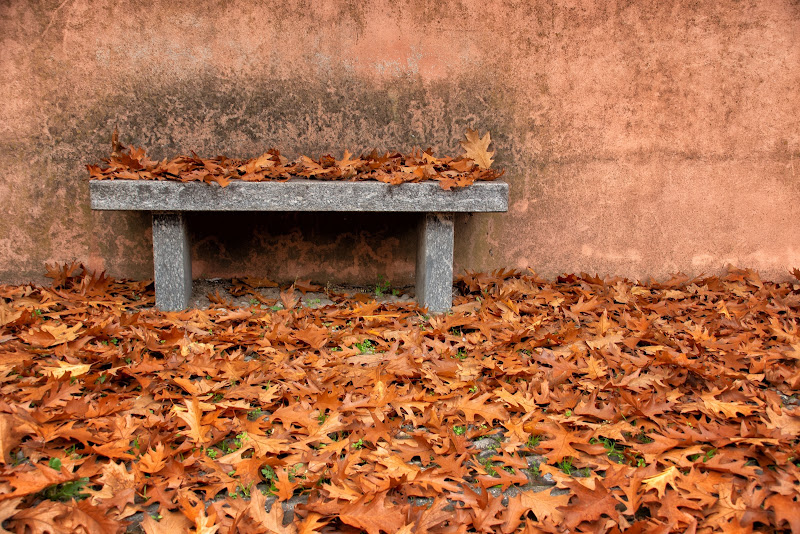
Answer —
(581, 405)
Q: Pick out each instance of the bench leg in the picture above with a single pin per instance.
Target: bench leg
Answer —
(434, 276)
(172, 261)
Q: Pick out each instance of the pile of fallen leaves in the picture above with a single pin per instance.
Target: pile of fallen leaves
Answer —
(393, 168)
(583, 405)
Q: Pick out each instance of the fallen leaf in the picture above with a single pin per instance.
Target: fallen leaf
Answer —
(62, 368)
(543, 504)
(371, 514)
(659, 482)
(169, 523)
(192, 416)
(477, 148)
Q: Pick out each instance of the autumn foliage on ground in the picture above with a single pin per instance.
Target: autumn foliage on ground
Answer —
(581, 405)
(393, 168)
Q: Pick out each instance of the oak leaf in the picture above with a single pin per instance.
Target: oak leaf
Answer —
(504, 479)
(784, 420)
(153, 460)
(517, 399)
(543, 504)
(596, 367)
(8, 314)
(51, 517)
(289, 299)
(607, 412)
(192, 415)
(10, 436)
(433, 516)
(48, 335)
(61, 368)
(456, 182)
(272, 521)
(559, 443)
(659, 482)
(284, 485)
(28, 480)
(313, 523)
(671, 508)
(477, 406)
(8, 508)
(170, 523)
(729, 506)
(396, 467)
(486, 513)
(264, 445)
(204, 524)
(315, 336)
(602, 342)
(370, 513)
(306, 285)
(726, 409)
(477, 148)
(584, 306)
(591, 501)
(461, 165)
(119, 488)
(435, 481)
(44, 518)
(341, 491)
(82, 515)
(785, 508)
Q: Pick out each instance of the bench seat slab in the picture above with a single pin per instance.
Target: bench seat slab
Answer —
(296, 195)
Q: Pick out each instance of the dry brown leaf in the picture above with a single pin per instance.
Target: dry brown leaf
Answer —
(477, 148)
(170, 523)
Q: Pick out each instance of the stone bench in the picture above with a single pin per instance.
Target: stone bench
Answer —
(168, 201)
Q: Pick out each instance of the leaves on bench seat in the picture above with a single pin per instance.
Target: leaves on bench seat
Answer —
(131, 163)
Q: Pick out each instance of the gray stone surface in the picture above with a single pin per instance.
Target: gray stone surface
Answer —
(172, 262)
(296, 195)
(434, 274)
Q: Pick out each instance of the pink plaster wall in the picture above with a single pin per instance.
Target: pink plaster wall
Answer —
(640, 138)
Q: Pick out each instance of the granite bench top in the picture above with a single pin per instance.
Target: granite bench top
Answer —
(296, 195)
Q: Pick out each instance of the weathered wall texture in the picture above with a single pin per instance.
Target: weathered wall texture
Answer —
(640, 138)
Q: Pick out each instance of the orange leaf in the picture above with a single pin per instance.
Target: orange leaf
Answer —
(659, 482)
(170, 523)
(559, 444)
(10, 436)
(192, 416)
(284, 485)
(477, 148)
(272, 521)
(371, 514)
(543, 505)
(304, 286)
(118, 487)
(312, 523)
(591, 500)
(316, 336)
(153, 460)
(26, 480)
(288, 298)
(51, 335)
(489, 412)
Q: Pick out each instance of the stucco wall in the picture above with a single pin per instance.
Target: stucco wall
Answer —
(640, 138)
